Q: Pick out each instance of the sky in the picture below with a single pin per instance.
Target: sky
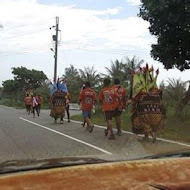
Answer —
(92, 33)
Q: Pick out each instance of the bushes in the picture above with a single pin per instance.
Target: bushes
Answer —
(12, 103)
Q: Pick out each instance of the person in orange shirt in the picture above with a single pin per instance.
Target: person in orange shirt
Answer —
(83, 123)
(109, 99)
(28, 103)
(87, 99)
(121, 104)
(39, 99)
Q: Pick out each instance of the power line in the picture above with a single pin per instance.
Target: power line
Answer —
(24, 34)
(23, 52)
(94, 46)
(26, 48)
(123, 53)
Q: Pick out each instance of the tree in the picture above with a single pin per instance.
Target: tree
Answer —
(122, 69)
(116, 70)
(28, 78)
(170, 23)
(10, 88)
(74, 82)
(176, 90)
(23, 79)
(129, 65)
(184, 101)
(89, 74)
(71, 72)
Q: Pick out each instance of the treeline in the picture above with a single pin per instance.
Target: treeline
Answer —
(176, 93)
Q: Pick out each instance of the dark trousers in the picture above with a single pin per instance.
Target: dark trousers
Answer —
(39, 108)
(35, 109)
(67, 110)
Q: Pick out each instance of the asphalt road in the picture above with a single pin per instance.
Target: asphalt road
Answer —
(25, 137)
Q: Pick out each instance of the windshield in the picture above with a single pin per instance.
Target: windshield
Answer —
(96, 79)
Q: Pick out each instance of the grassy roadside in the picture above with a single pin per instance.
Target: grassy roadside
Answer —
(175, 128)
(19, 104)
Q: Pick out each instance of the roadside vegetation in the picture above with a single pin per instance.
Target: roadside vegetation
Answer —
(175, 128)
(176, 94)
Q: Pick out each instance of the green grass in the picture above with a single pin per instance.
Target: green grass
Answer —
(175, 128)
(12, 103)
(19, 104)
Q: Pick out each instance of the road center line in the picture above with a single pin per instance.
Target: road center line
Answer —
(130, 133)
(70, 137)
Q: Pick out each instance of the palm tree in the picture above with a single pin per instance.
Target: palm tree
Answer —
(74, 83)
(71, 72)
(116, 70)
(90, 74)
(178, 94)
(129, 65)
(175, 90)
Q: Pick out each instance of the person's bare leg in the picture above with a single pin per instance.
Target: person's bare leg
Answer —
(118, 125)
(109, 128)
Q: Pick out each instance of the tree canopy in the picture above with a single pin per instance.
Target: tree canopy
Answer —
(28, 78)
(170, 23)
(23, 79)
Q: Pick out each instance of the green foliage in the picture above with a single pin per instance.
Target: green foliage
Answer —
(10, 88)
(122, 70)
(44, 91)
(173, 94)
(1, 92)
(89, 74)
(174, 127)
(23, 79)
(28, 78)
(74, 82)
(175, 90)
(116, 70)
(12, 103)
(170, 23)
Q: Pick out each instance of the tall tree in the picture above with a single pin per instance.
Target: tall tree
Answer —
(116, 70)
(10, 88)
(90, 74)
(74, 82)
(71, 72)
(131, 64)
(170, 23)
(176, 90)
(28, 78)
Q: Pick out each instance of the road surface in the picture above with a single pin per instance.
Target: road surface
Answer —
(25, 137)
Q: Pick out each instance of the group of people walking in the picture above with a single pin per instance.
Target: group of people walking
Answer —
(33, 104)
(112, 99)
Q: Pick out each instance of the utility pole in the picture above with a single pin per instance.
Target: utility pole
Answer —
(55, 38)
(56, 45)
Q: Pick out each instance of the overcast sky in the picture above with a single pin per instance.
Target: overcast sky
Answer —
(93, 32)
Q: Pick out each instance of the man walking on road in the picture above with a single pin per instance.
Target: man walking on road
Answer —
(121, 104)
(68, 99)
(39, 101)
(28, 103)
(34, 106)
(109, 99)
(87, 98)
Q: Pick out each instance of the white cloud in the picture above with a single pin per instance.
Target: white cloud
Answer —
(26, 27)
(134, 2)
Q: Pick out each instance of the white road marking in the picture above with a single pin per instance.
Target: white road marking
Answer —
(68, 136)
(8, 107)
(127, 132)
